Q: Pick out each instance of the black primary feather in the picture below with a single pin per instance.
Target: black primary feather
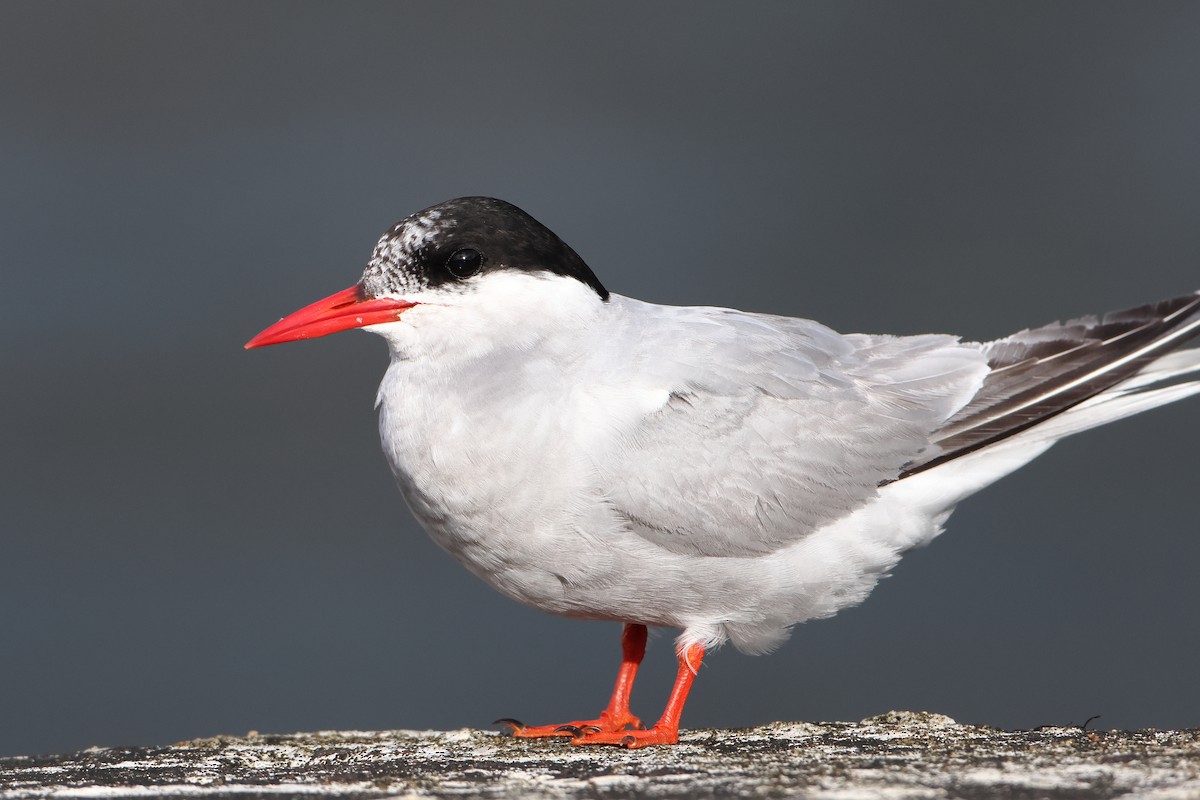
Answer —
(1045, 371)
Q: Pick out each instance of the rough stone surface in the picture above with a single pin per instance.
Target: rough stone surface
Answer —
(892, 756)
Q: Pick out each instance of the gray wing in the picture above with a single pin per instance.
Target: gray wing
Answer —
(774, 427)
(1040, 373)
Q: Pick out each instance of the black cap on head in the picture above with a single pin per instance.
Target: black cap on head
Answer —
(458, 239)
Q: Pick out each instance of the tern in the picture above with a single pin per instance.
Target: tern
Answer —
(723, 473)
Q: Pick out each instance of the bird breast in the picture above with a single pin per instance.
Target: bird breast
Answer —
(498, 466)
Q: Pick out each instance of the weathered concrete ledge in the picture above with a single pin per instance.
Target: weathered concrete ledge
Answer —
(895, 755)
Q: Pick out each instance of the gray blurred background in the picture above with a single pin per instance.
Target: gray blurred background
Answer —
(196, 539)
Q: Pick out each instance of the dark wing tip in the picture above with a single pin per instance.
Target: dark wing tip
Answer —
(1044, 371)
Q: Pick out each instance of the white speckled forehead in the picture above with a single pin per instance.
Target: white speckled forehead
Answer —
(403, 242)
(413, 233)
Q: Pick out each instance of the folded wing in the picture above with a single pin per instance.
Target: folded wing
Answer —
(773, 427)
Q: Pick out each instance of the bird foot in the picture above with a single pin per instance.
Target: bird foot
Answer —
(606, 723)
(630, 740)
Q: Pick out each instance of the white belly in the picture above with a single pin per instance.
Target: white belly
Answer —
(501, 476)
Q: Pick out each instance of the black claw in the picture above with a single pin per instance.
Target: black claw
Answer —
(515, 723)
(589, 729)
(628, 741)
(571, 729)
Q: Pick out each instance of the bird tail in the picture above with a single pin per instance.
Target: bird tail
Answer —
(1055, 381)
(1150, 388)
(1037, 375)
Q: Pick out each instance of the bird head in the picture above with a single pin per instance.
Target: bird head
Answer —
(475, 253)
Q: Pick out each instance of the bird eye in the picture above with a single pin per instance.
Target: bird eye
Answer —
(465, 263)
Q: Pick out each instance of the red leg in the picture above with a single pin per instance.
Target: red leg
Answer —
(666, 730)
(617, 716)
